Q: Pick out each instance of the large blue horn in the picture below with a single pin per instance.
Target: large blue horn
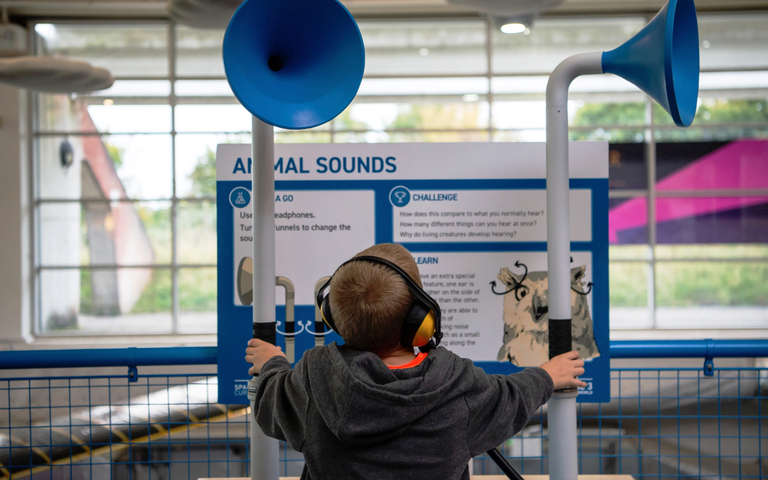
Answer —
(663, 60)
(294, 63)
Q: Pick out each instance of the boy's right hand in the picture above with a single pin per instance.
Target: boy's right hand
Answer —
(564, 369)
(258, 353)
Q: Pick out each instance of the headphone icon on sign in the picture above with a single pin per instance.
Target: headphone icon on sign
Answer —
(400, 196)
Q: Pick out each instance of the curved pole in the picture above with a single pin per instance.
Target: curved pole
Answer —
(319, 332)
(561, 413)
(558, 215)
(290, 308)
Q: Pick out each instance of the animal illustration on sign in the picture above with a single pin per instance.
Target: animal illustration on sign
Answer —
(526, 307)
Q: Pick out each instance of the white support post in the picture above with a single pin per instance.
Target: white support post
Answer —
(265, 451)
(563, 451)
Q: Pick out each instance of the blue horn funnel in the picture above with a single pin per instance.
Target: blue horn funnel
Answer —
(663, 60)
(294, 63)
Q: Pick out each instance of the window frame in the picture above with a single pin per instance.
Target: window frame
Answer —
(651, 130)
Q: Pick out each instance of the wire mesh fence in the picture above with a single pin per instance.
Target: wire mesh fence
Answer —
(159, 426)
(662, 423)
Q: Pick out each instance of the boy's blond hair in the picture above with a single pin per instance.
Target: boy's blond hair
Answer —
(369, 301)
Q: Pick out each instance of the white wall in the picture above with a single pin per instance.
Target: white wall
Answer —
(15, 214)
(60, 235)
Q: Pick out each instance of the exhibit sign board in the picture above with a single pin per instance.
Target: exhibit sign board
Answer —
(474, 217)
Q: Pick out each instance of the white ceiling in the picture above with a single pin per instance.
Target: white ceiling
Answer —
(359, 8)
(438, 7)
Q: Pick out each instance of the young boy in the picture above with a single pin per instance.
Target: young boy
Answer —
(372, 408)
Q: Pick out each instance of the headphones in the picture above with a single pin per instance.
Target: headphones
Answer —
(422, 322)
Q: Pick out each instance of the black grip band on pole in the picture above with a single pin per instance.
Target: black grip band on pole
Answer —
(503, 464)
(266, 332)
(559, 337)
(290, 327)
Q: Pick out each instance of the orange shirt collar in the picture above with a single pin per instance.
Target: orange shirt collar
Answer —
(416, 361)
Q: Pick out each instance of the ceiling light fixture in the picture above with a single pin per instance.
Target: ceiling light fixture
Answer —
(44, 73)
(47, 31)
(511, 16)
(513, 28)
(514, 24)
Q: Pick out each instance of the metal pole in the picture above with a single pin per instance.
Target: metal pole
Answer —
(563, 451)
(265, 451)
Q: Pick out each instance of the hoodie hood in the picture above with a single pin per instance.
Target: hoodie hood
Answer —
(352, 388)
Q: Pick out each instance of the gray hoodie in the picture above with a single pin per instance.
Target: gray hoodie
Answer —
(352, 417)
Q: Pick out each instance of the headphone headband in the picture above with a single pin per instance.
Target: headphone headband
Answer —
(418, 292)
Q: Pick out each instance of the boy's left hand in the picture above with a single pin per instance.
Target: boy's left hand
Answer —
(258, 352)
(564, 369)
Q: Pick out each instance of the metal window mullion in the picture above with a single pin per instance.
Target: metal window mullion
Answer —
(114, 266)
(580, 128)
(489, 54)
(352, 130)
(650, 160)
(697, 259)
(703, 193)
(174, 197)
(122, 200)
(33, 158)
(386, 130)
(34, 189)
(711, 192)
(384, 76)
(86, 336)
(587, 128)
(79, 133)
(628, 194)
(715, 126)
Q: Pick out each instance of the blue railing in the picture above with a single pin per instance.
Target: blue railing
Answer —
(152, 356)
(108, 357)
(663, 422)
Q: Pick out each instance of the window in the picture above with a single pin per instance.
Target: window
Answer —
(125, 233)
